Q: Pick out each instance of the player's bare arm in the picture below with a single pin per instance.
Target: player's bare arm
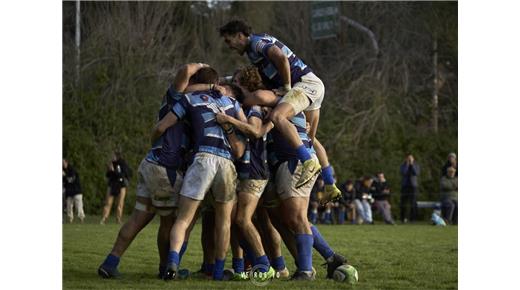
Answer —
(182, 78)
(281, 62)
(169, 120)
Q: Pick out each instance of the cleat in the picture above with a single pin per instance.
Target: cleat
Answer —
(242, 276)
(332, 194)
(310, 168)
(171, 272)
(303, 276)
(283, 274)
(337, 260)
(108, 273)
(228, 274)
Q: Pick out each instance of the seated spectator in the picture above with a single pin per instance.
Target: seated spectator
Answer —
(449, 196)
(364, 191)
(451, 162)
(346, 203)
(73, 195)
(382, 198)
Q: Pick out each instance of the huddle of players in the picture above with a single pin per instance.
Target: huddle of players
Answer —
(252, 167)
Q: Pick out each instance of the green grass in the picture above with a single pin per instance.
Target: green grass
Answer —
(387, 257)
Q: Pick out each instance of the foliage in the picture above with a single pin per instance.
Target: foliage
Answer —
(377, 106)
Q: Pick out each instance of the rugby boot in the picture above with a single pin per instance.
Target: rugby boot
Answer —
(310, 168)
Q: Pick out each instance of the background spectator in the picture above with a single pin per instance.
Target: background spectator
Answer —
(73, 195)
(346, 203)
(410, 171)
(451, 162)
(118, 175)
(314, 200)
(382, 198)
(364, 191)
(449, 196)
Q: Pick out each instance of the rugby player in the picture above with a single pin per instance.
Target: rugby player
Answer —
(301, 89)
(215, 149)
(159, 178)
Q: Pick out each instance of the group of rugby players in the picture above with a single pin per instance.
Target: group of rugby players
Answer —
(243, 155)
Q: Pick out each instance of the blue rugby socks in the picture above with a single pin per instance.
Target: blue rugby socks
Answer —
(183, 250)
(320, 244)
(238, 265)
(263, 260)
(111, 261)
(173, 258)
(303, 153)
(218, 271)
(326, 173)
(304, 246)
(278, 263)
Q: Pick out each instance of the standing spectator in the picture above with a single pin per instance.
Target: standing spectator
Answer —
(409, 184)
(118, 175)
(364, 192)
(382, 198)
(346, 203)
(449, 195)
(451, 162)
(73, 195)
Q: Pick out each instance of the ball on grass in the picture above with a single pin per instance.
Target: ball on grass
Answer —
(346, 273)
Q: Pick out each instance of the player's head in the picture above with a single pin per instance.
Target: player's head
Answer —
(236, 35)
(234, 91)
(367, 181)
(205, 75)
(250, 78)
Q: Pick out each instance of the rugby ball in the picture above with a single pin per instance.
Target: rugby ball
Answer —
(345, 273)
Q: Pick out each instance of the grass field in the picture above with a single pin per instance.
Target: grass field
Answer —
(387, 257)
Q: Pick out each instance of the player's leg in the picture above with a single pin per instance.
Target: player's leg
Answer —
(70, 212)
(222, 236)
(120, 203)
(140, 217)
(207, 239)
(247, 203)
(272, 242)
(163, 238)
(295, 101)
(196, 183)
(109, 199)
(78, 204)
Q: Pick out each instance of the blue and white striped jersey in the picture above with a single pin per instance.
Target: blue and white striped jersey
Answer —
(257, 54)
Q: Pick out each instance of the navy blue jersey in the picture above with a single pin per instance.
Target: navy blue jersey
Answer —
(199, 109)
(169, 150)
(253, 165)
(257, 54)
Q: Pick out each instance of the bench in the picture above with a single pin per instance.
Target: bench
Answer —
(428, 204)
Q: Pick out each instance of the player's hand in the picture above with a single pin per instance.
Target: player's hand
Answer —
(222, 118)
(281, 91)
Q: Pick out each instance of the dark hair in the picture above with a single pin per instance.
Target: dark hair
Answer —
(205, 75)
(237, 92)
(348, 182)
(235, 26)
(251, 78)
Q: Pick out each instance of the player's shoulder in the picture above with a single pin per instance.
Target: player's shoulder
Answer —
(259, 41)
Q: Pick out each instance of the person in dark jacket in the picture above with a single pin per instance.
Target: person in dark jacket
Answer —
(346, 202)
(118, 175)
(451, 162)
(410, 171)
(382, 198)
(73, 192)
